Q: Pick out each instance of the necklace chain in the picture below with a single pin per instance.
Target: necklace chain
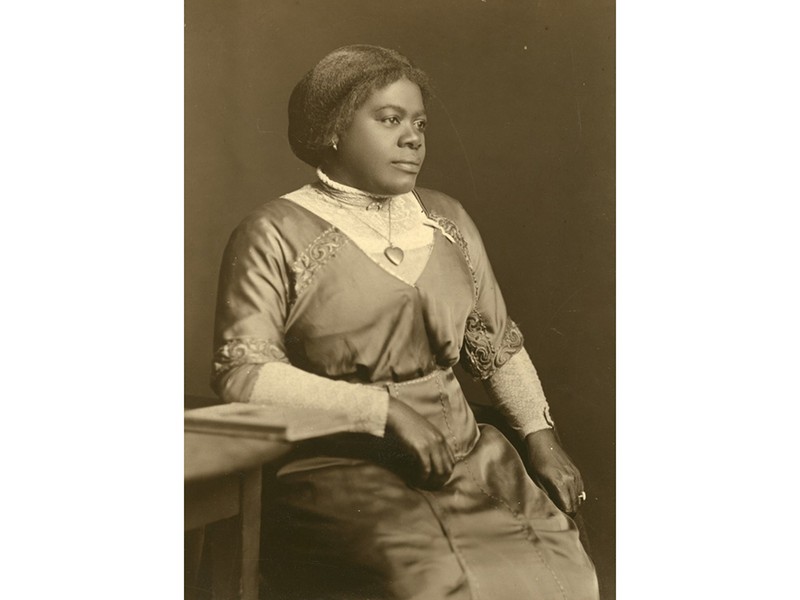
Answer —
(343, 206)
(353, 198)
(393, 254)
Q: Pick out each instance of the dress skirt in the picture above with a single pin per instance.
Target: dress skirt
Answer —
(343, 522)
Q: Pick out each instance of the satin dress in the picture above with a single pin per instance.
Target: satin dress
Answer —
(344, 519)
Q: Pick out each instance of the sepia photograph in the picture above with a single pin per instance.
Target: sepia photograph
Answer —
(399, 300)
(421, 300)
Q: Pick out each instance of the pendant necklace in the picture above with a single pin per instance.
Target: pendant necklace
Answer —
(355, 199)
(393, 253)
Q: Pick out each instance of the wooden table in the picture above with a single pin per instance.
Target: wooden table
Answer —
(222, 510)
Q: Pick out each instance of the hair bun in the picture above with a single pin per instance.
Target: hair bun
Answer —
(324, 100)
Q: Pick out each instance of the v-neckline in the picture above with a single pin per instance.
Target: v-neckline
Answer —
(365, 254)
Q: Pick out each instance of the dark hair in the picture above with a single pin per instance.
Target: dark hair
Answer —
(322, 104)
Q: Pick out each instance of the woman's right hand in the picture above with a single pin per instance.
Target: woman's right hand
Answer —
(424, 444)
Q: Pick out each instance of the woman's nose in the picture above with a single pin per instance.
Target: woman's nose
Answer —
(411, 137)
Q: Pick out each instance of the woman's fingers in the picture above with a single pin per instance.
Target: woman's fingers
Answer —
(426, 465)
(565, 493)
(566, 482)
(442, 462)
(423, 442)
(439, 472)
(576, 490)
(448, 456)
(555, 470)
(567, 486)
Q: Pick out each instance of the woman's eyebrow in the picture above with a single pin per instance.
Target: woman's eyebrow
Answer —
(399, 109)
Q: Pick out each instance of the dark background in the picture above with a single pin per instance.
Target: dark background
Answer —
(521, 132)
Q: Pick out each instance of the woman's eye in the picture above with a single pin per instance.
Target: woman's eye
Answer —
(391, 120)
(421, 125)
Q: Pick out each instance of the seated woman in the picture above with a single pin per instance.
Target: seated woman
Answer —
(358, 293)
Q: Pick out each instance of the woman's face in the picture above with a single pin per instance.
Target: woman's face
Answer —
(383, 148)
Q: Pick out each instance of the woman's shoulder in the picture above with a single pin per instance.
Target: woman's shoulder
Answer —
(277, 215)
(278, 222)
(271, 213)
(437, 201)
(440, 205)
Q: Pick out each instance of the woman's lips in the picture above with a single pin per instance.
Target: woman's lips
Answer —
(406, 166)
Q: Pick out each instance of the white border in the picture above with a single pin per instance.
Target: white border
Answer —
(707, 312)
(707, 299)
(92, 189)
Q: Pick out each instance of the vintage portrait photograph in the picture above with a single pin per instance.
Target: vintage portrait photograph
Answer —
(412, 300)
(400, 300)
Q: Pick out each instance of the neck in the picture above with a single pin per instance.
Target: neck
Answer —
(349, 195)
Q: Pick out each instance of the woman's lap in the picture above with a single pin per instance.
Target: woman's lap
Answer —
(357, 530)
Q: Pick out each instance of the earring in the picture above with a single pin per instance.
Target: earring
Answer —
(333, 144)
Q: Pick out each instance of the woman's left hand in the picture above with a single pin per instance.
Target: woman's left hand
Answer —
(555, 470)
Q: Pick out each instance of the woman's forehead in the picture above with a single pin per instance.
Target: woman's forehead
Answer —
(402, 95)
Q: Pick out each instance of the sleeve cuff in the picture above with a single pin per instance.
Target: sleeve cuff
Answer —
(366, 406)
(516, 391)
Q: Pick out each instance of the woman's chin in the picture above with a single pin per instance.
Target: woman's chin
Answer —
(395, 188)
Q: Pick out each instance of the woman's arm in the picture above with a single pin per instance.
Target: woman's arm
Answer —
(250, 362)
(555, 470)
(516, 391)
(371, 410)
(282, 384)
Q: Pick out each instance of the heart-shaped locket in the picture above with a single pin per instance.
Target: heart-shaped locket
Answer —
(394, 254)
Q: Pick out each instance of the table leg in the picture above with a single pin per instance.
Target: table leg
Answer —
(223, 548)
(192, 554)
(233, 545)
(250, 523)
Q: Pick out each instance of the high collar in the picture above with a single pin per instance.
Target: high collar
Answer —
(350, 195)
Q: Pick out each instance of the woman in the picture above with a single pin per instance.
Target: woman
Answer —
(358, 294)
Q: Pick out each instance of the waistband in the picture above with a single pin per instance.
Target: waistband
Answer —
(437, 397)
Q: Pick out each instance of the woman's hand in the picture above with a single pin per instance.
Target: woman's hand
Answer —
(422, 442)
(555, 470)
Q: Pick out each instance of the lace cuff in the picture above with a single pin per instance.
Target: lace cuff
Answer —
(516, 392)
(283, 384)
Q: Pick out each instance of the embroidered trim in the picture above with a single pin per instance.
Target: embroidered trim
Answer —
(314, 257)
(511, 344)
(450, 228)
(483, 359)
(478, 347)
(242, 351)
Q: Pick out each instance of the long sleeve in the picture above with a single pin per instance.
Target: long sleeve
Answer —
(516, 391)
(281, 384)
(490, 336)
(493, 344)
(250, 362)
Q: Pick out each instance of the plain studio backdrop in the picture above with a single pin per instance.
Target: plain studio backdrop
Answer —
(521, 132)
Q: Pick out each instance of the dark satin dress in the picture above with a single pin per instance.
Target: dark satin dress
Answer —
(344, 520)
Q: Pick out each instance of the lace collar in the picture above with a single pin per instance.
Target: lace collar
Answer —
(350, 195)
